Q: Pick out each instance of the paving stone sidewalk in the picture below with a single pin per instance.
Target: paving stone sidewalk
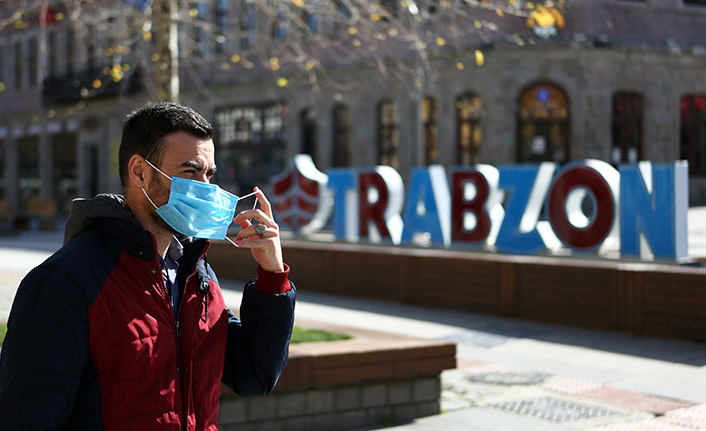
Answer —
(512, 375)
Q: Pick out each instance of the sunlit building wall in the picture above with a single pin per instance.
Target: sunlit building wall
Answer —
(617, 80)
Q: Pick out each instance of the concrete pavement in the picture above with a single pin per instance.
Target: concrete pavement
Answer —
(512, 374)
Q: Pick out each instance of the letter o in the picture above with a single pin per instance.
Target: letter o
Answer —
(589, 237)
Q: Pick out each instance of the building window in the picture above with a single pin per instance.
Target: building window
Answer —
(693, 132)
(388, 139)
(543, 125)
(91, 60)
(221, 20)
(18, 65)
(341, 136)
(52, 56)
(344, 13)
(200, 37)
(311, 20)
(307, 122)
(70, 51)
(251, 142)
(279, 26)
(429, 126)
(468, 130)
(247, 23)
(2, 69)
(3, 191)
(33, 62)
(627, 128)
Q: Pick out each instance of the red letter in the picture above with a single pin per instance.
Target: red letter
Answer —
(373, 211)
(460, 206)
(592, 235)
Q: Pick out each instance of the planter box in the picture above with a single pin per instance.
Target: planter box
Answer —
(372, 379)
(639, 297)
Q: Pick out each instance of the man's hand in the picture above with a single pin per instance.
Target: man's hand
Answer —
(266, 248)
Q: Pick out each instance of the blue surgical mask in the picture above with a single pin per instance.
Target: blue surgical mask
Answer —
(197, 209)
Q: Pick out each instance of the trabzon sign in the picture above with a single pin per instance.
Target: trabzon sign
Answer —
(638, 209)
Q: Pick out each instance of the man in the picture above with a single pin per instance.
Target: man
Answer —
(125, 327)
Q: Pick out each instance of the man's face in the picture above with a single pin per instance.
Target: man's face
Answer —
(183, 155)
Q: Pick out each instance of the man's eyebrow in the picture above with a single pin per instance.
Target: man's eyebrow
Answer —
(196, 165)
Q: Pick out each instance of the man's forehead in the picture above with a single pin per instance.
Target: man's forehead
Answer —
(185, 141)
(181, 148)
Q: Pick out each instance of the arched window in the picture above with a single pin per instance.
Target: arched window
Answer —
(468, 131)
(429, 125)
(388, 138)
(693, 132)
(627, 128)
(341, 136)
(543, 125)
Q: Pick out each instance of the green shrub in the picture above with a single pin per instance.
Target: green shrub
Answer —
(3, 330)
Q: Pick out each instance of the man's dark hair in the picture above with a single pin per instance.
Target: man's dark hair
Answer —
(144, 130)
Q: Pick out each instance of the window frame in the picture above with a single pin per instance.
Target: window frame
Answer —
(544, 110)
(388, 133)
(341, 139)
(429, 116)
(467, 155)
(694, 149)
(630, 124)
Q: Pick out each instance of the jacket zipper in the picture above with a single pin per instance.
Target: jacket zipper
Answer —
(167, 296)
(180, 369)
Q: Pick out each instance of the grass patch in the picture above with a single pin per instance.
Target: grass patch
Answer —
(300, 335)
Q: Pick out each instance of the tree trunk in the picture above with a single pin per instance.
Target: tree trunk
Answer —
(164, 18)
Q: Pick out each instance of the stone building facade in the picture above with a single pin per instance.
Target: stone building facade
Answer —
(621, 81)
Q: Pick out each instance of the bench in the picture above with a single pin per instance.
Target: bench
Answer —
(43, 210)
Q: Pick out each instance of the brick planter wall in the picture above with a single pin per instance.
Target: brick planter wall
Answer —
(372, 379)
(333, 408)
(638, 297)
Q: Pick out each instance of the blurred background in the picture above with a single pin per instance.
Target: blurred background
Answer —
(351, 82)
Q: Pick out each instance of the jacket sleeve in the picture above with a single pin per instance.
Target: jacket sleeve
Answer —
(258, 345)
(44, 353)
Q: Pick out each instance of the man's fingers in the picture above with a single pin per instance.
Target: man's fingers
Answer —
(264, 203)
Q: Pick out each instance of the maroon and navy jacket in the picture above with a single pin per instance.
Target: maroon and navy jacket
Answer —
(93, 342)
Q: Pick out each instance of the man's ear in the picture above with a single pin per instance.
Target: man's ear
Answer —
(136, 171)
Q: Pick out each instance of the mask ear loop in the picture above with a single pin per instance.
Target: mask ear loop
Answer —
(157, 169)
(143, 189)
(148, 198)
(253, 207)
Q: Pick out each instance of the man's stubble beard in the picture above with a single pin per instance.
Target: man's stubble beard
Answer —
(160, 197)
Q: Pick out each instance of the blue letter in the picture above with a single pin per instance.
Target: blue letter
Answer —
(527, 186)
(428, 206)
(655, 204)
(345, 212)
